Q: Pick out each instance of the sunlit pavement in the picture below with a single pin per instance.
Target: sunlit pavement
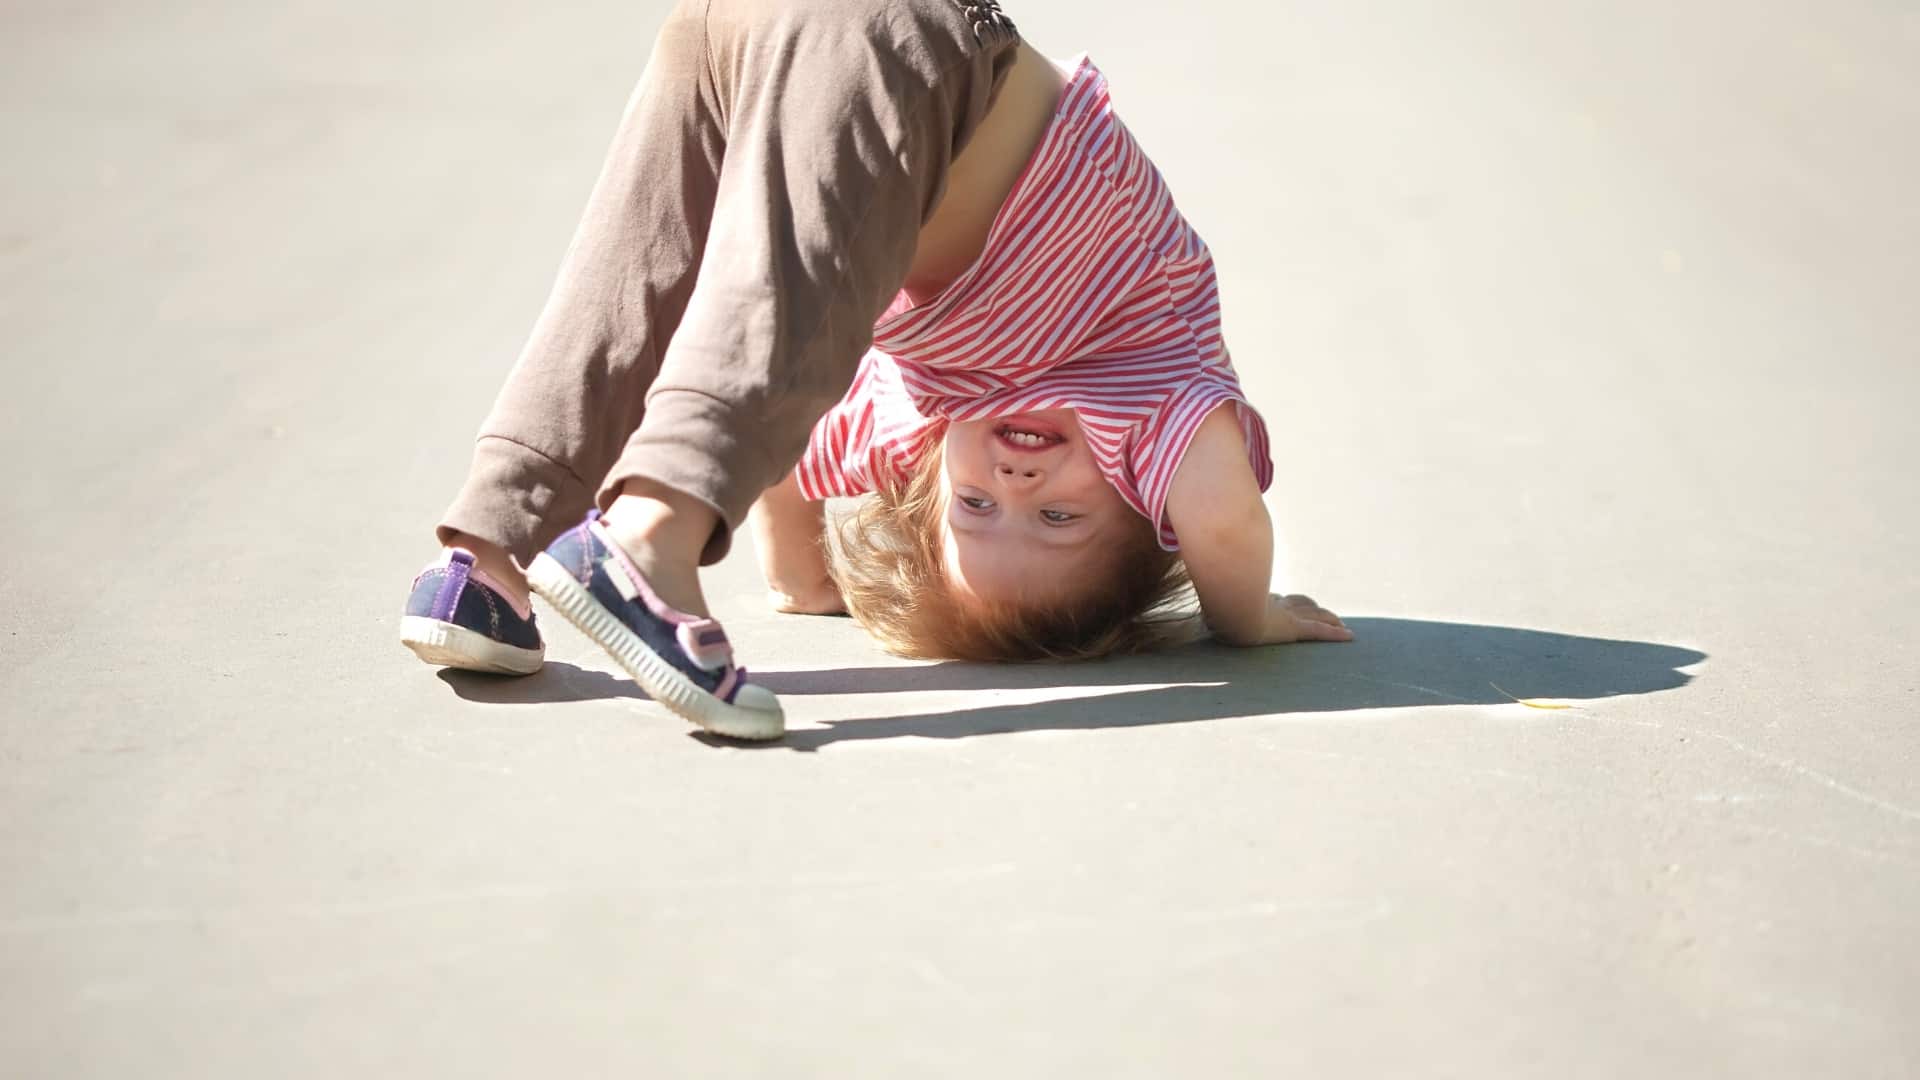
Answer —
(1587, 337)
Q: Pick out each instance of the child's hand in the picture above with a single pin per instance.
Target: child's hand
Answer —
(1298, 618)
(786, 534)
(822, 600)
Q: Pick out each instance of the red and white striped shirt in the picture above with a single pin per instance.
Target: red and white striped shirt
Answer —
(1092, 293)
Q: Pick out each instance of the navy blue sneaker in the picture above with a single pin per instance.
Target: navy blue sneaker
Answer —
(683, 661)
(459, 617)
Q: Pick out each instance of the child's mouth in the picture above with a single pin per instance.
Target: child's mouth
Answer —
(1028, 435)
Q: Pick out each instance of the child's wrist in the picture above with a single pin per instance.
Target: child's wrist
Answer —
(819, 599)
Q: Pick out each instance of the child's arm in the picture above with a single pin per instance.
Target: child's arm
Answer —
(1226, 540)
(788, 537)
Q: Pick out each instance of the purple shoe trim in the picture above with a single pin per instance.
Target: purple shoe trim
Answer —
(459, 563)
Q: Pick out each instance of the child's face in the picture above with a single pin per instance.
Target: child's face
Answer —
(1029, 516)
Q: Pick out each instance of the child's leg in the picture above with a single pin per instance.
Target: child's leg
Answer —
(580, 383)
(579, 387)
(836, 121)
(758, 210)
(843, 117)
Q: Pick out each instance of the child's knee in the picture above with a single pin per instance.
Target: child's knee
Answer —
(924, 36)
(682, 37)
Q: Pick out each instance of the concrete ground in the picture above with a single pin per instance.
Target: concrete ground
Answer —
(1588, 336)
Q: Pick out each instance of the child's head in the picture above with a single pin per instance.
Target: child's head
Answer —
(1007, 543)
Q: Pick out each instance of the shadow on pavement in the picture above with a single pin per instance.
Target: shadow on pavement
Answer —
(556, 680)
(1391, 663)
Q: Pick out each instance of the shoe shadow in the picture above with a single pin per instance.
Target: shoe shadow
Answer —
(556, 681)
(1391, 663)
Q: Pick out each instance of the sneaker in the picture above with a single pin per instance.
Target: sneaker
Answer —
(682, 660)
(459, 617)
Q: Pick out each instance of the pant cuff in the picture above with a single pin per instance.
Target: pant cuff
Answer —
(515, 497)
(699, 446)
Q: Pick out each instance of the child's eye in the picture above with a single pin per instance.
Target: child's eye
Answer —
(974, 502)
(1056, 517)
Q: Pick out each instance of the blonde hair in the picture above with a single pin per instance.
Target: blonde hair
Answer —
(886, 555)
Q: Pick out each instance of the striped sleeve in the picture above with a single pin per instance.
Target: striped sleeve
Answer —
(1156, 458)
(874, 431)
(835, 460)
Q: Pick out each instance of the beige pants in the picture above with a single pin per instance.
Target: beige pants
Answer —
(758, 210)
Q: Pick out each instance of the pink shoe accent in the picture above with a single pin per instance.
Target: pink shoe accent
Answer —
(647, 595)
(727, 685)
(522, 606)
(701, 639)
(705, 644)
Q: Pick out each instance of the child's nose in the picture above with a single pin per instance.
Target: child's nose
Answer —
(1025, 475)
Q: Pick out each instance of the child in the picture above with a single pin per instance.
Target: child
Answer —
(786, 174)
(1042, 436)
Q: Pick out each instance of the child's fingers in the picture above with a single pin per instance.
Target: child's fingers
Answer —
(1300, 602)
(1313, 622)
(1304, 607)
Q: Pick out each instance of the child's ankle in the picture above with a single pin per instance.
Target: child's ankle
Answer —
(664, 537)
(675, 526)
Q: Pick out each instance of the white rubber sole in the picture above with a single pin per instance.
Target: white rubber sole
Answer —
(443, 643)
(759, 718)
